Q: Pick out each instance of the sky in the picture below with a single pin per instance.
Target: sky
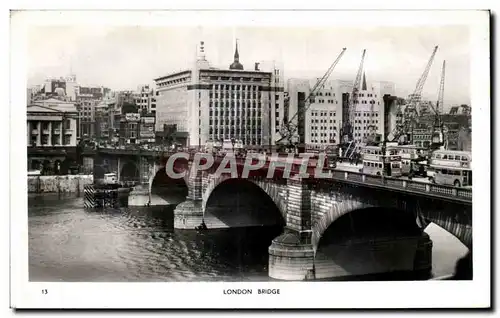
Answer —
(124, 57)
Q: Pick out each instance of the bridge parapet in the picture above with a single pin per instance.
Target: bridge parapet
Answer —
(409, 186)
(394, 184)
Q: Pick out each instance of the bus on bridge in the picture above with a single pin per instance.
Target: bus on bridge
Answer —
(451, 167)
(413, 161)
(374, 161)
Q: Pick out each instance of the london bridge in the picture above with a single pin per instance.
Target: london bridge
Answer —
(382, 219)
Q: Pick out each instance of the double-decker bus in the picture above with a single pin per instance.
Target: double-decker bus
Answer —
(374, 162)
(450, 167)
(412, 158)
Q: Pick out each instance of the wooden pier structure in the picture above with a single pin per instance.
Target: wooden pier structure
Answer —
(105, 195)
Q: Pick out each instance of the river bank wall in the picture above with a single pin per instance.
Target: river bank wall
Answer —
(58, 184)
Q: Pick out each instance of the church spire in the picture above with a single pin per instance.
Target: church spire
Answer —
(363, 88)
(236, 65)
(236, 54)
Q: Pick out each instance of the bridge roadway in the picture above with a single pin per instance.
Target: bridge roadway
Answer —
(396, 184)
(310, 206)
(413, 187)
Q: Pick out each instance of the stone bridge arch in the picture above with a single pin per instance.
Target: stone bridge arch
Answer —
(159, 182)
(160, 168)
(327, 206)
(127, 167)
(276, 190)
(332, 211)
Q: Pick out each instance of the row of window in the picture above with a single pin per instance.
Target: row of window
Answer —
(422, 137)
(366, 114)
(450, 157)
(390, 152)
(321, 121)
(237, 131)
(228, 94)
(367, 95)
(326, 94)
(452, 172)
(333, 127)
(358, 121)
(235, 79)
(365, 102)
(235, 122)
(322, 114)
(372, 164)
(227, 87)
(324, 134)
(323, 128)
(237, 104)
(55, 141)
(329, 101)
(253, 113)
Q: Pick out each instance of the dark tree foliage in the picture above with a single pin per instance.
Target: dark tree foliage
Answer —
(129, 108)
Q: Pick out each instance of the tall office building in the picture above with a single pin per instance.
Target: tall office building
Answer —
(212, 104)
(327, 111)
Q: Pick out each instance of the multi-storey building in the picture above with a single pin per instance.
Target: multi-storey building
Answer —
(86, 111)
(91, 93)
(51, 85)
(86, 100)
(147, 128)
(129, 128)
(102, 120)
(328, 110)
(32, 93)
(143, 98)
(214, 104)
(153, 102)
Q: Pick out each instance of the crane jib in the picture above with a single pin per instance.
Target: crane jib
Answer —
(288, 128)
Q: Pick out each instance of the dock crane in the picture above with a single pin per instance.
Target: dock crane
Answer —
(288, 131)
(410, 113)
(348, 143)
(438, 135)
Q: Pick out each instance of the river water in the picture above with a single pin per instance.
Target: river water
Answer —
(68, 243)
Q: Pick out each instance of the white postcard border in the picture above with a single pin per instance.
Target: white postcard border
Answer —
(439, 294)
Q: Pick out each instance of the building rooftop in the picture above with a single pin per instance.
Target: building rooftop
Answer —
(172, 75)
(55, 104)
(47, 109)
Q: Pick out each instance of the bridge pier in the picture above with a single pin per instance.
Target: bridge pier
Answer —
(291, 255)
(139, 196)
(189, 214)
(291, 258)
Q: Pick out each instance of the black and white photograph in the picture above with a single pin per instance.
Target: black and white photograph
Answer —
(245, 159)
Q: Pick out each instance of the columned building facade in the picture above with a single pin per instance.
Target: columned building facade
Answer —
(51, 138)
